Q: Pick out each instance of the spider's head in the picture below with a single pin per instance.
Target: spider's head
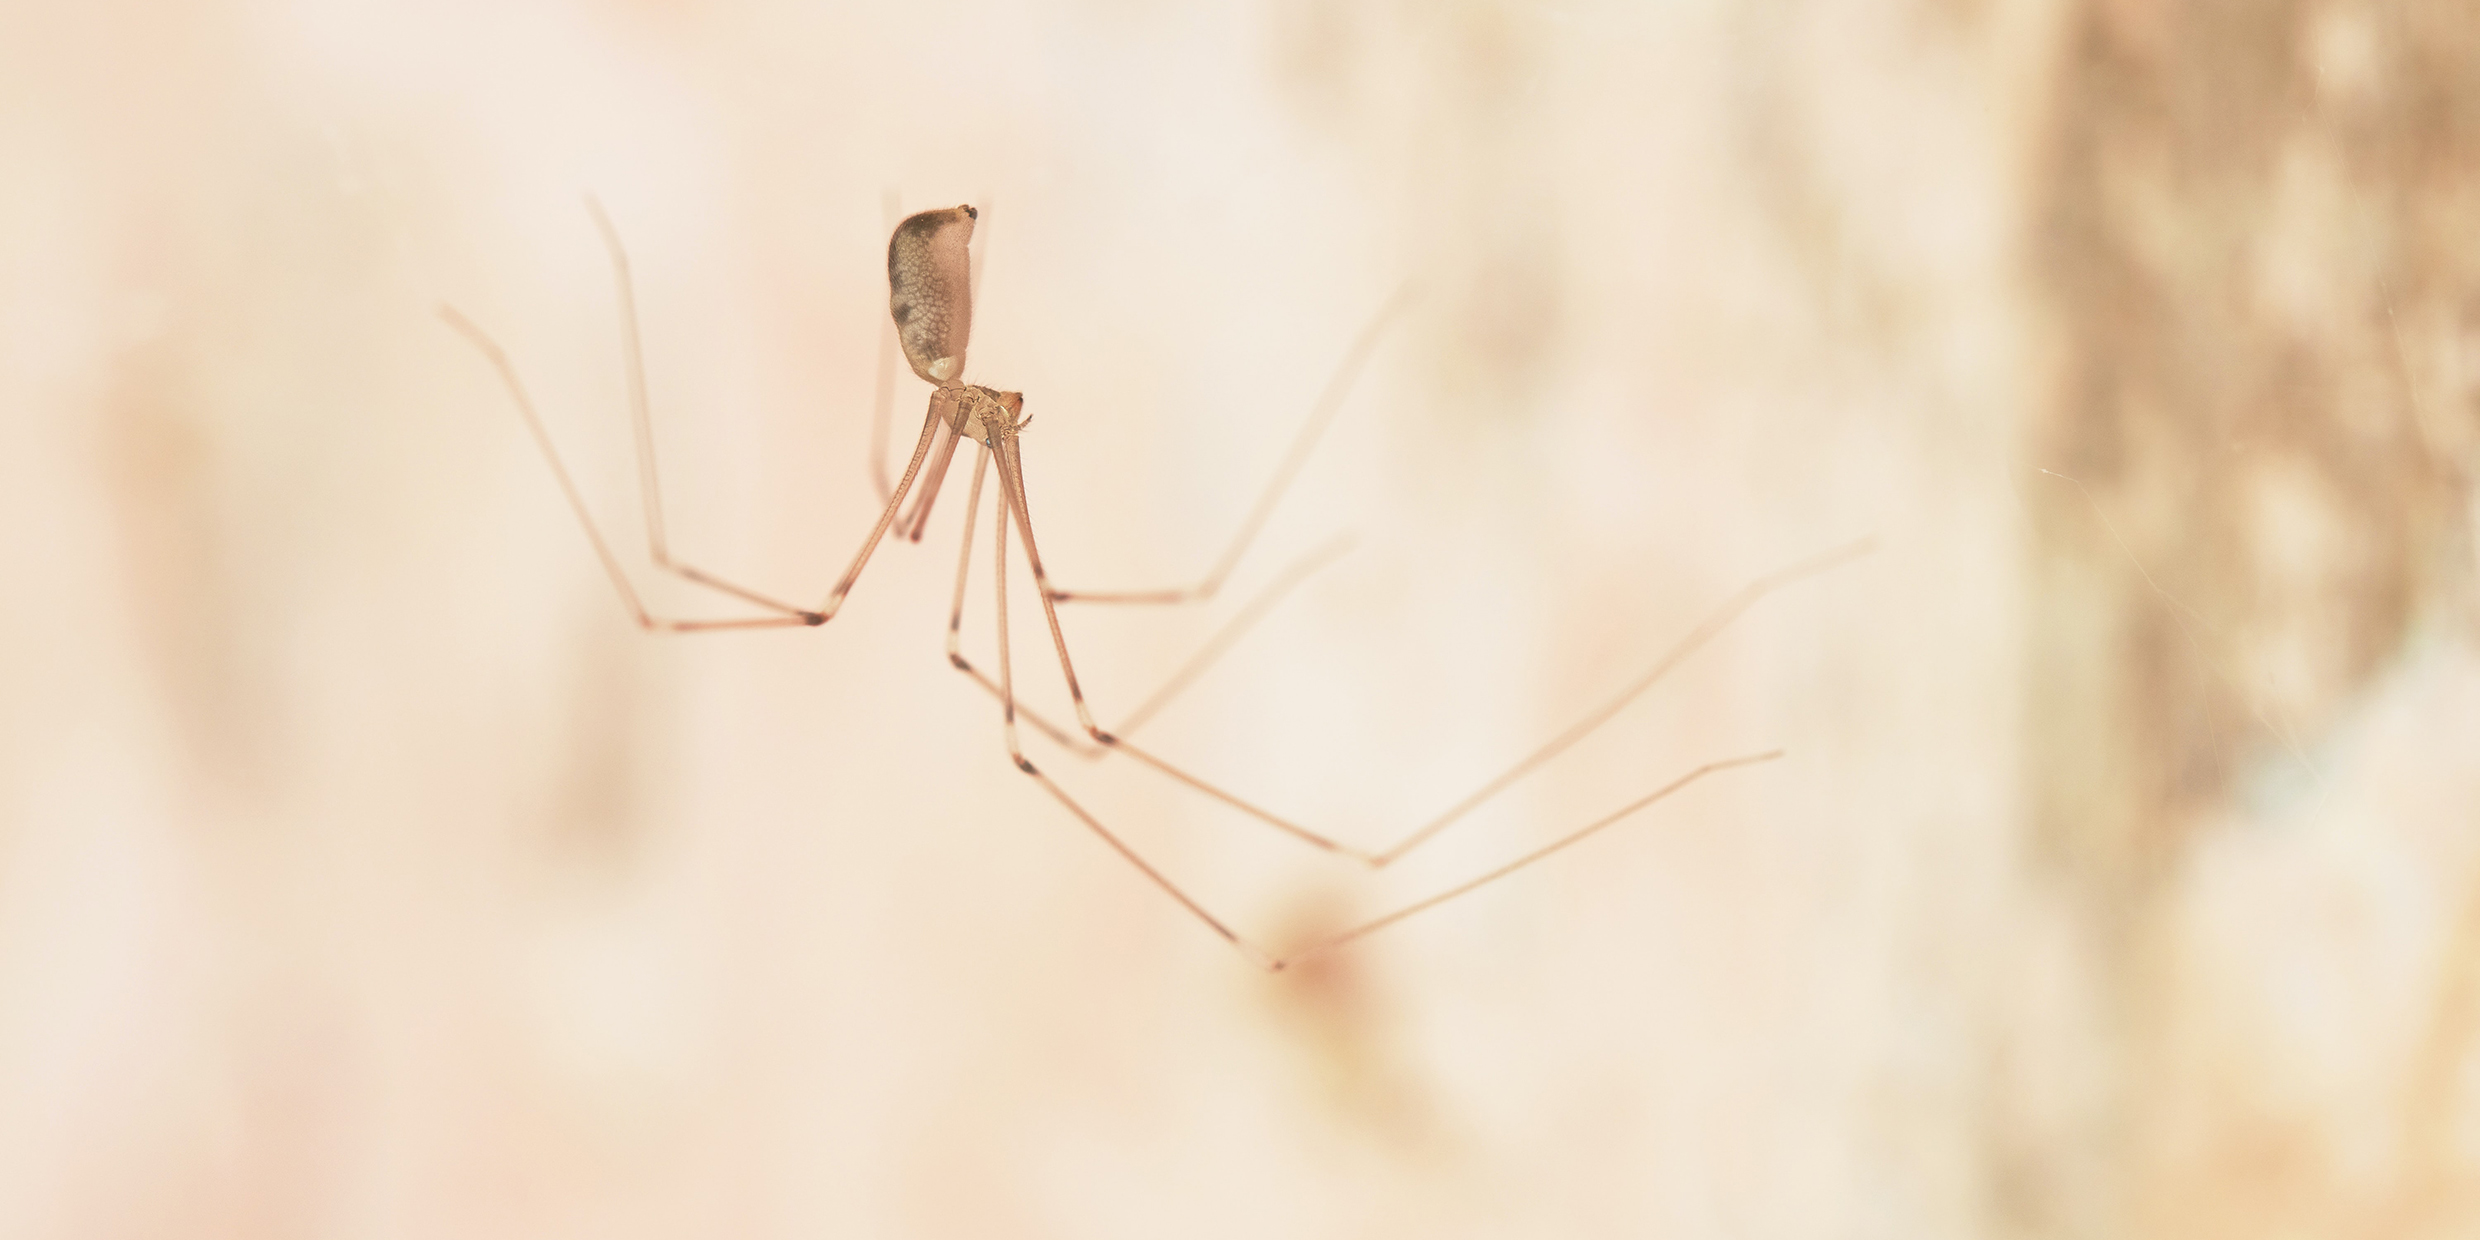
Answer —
(986, 416)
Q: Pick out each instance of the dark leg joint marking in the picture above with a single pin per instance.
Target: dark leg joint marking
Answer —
(1026, 767)
(813, 618)
(957, 661)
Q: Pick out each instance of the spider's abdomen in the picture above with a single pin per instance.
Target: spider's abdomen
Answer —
(930, 290)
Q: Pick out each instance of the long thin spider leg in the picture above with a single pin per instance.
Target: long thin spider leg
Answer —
(645, 619)
(835, 598)
(1203, 660)
(498, 358)
(912, 523)
(1321, 415)
(1713, 625)
(1007, 673)
(1012, 502)
(1007, 702)
(640, 415)
(1011, 474)
(1593, 719)
(955, 623)
(1012, 499)
(1233, 629)
(1371, 927)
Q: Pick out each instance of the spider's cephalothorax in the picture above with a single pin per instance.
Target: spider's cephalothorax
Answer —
(981, 414)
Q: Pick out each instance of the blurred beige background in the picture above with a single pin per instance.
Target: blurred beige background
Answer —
(364, 873)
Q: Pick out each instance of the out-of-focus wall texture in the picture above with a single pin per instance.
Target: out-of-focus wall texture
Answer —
(365, 873)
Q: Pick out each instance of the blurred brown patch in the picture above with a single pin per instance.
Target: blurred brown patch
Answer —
(158, 458)
(2242, 205)
(1342, 1022)
(2226, 242)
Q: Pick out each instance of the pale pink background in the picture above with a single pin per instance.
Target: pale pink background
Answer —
(364, 874)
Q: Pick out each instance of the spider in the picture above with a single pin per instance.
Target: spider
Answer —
(930, 282)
